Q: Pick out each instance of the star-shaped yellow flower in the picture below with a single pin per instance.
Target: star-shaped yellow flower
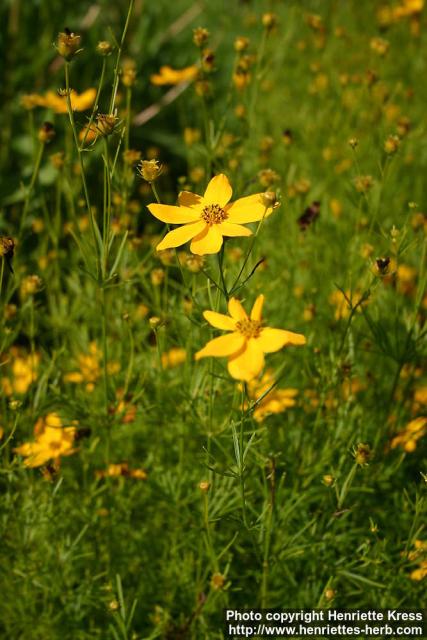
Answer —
(248, 341)
(52, 441)
(206, 219)
(168, 75)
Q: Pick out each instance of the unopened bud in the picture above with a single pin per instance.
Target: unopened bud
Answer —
(46, 133)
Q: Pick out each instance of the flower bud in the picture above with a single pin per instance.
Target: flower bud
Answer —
(269, 21)
(269, 199)
(46, 133)
(200, 37)
(106, 124)
(362, 454)
(104, 48)
(149, 170)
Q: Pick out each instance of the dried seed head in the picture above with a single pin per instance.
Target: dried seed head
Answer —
(68, 44)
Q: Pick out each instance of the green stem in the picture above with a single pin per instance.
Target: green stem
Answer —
(31, 186)
(251, 247)
(221, 272)
(95, 106)
(119, 53)
(104, 348)
(107, 207)
(1, 273)
(79, 152)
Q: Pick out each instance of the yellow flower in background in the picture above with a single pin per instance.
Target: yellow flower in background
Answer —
(248, 341)
(408, 8)
(168, 75)
(58, 103)
(53, 440)
(408, 438)
(206, 219)
(89, 365)
(342, 307)
(418, 555)
(276, 400)
(23, 372)
(122, 469)
(173, 358)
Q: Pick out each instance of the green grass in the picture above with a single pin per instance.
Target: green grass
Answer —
(84, 556)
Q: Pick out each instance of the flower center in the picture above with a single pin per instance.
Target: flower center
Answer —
(249, 328)
(214, 214)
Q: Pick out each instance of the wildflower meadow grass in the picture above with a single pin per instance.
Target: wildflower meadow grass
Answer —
(212, 313)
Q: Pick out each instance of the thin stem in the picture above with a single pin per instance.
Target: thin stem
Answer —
(95, 105)
(119, 53)
(1, 273)
(221, 272)
(79, 152)
(251, 247)
(31, 186)
(104, 348)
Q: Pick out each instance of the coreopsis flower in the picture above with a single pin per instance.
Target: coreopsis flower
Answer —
(344, 303)
(275, 401)
(408, 438)
(168, 75)
(58, 101)
(206, 219)
(248, 341)
(53, 441)
(174, 357)
(22, 372)
(89, 365)
(122, 469)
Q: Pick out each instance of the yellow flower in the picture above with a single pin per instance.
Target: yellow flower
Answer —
(206, 219)
(275, 401)
(58, 103)
(408, 438)
(173, 358)
(52, 441)
(23, 372)
(167, 75)
(248, 341)
(122, 469)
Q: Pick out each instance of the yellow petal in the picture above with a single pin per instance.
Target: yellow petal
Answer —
(236, 310)
(218, 191)
(208, 241)
(234, 230)
(173, 215)
(256, 313)
(271, 340)
(188, 199)
(248, 209)
(223, 346)
(180, 236)
(219, 320)
(247, 364)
